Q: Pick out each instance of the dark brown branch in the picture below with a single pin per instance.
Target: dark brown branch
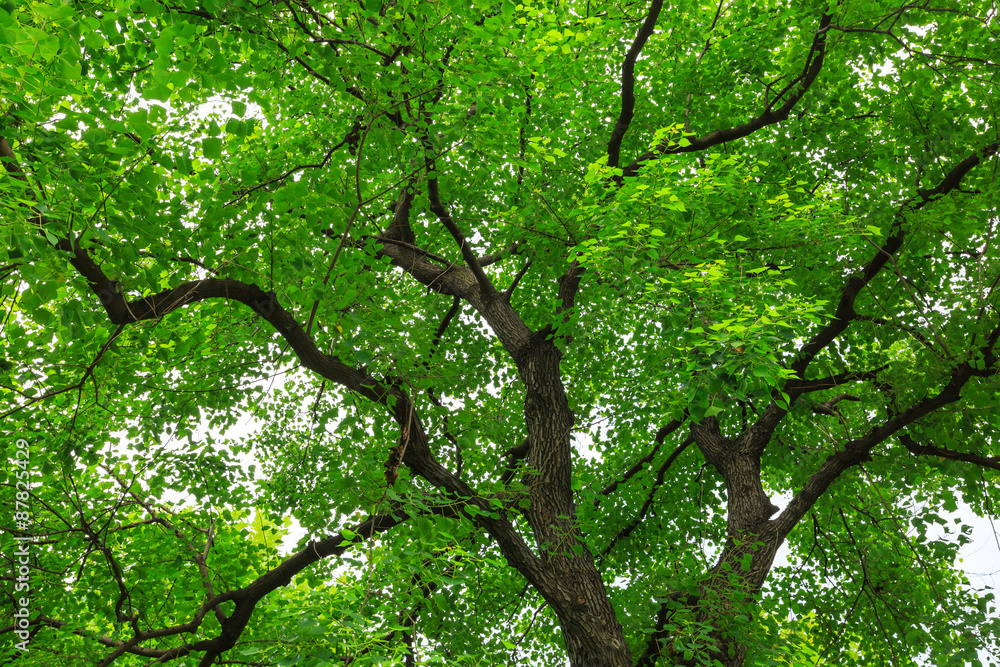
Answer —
(569, 285)
(859, 450)
(186, 259)
(919, 337)
(425, 589)
(845, 308)
(444, 215)
(438, 333)
(832, 381)
(669, 604)
(947, 58)
(422, 253)
(46, 621)
(930, 450)
(10, 162)
(514, 456)
(517, 278)
(191, 260)
(830, 408)
(456, 280)
(245, 599)
(438, 209)
(487, 260)
(638, 465)
(352, 135)
(8, 269)
(628, 83)
(794, 92)
(456, 305)
(386, 58)
(399, 228)
(653, 488)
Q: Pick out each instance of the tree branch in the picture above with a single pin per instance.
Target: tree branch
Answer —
(859, 450)
(628, 83)
(930, 450)
(438, 208)
(832, 381)
(794, 90)
(517, 278)
(352, 135)
(845, 308)
(654, 487)
(637, 466)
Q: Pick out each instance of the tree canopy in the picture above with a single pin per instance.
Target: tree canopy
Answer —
(480, 332)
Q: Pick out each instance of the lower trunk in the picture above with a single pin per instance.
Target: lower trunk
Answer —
(729, 592)
(576, 592)
(568, 578)
(729, 600)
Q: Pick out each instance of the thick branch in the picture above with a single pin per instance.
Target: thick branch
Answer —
(794, 91)
(438, 208)
(459, 281)
(845, 308)
(628, 83)
(418, 456)
(930, 450)
(400, 228)
(859, 450)
(444, 216)
(245, 599)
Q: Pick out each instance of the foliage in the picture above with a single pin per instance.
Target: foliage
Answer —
(467, 333)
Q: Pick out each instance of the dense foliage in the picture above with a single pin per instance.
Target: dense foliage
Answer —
(451, 332)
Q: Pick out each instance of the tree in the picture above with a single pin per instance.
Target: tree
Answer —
(546, 324)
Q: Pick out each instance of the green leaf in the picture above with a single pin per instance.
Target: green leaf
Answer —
(212, 148)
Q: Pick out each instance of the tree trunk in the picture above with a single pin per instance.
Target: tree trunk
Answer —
(730, 591)
(752, 538)
(569, 580)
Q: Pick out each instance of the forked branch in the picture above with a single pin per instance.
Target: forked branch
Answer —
(859, 450)
(791, 95)
(628, 83)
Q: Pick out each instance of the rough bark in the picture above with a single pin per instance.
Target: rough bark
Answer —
(570, 581)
